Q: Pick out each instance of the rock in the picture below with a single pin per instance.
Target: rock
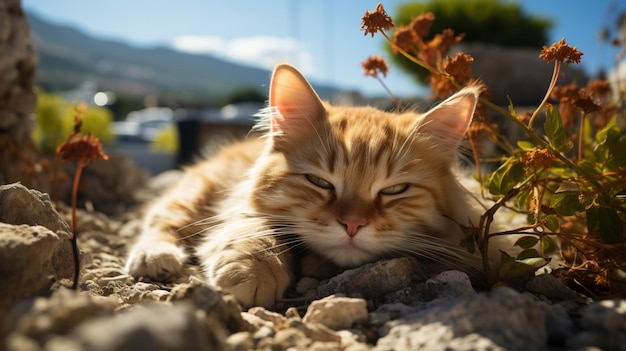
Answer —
(35, 249)
(41, 319)
(450, 285)
(216, 304)
(154, 327)
(501, 320)
(372, 280)
(26, 261)
(336, 312)
(18, 66)
(268, 316)
(18, 205)
(551, 287)
(604, 326)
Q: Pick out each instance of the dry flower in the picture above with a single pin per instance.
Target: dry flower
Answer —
(585, 102)
(447, 39)
(458, 69)
(537, 158)
(374, 65)
(376, 20)
(560, 52)
(599, 88)
(565, 93)
(422, 23)
(80, 148)
(404, 38)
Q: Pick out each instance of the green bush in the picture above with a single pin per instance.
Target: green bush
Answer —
(54, 119)
(482, 21)
(166, 140)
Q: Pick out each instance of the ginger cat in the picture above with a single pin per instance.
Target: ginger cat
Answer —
(325, 187)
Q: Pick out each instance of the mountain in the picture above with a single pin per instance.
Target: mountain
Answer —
(69, 57)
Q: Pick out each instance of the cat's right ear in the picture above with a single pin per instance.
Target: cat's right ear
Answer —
(293, 102)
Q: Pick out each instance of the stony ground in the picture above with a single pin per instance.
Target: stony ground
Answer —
(388, 305)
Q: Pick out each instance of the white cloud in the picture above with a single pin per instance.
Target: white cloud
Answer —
(199, 44)
(259, 51)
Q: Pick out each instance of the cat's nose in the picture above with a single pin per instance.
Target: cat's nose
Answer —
(352, 225)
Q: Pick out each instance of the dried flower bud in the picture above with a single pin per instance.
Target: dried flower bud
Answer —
(374, 65)
(422, 23)
(404, 38)
(458, 68)
(86, 148)
(560, 52)
(538, 158)
(79, 148)
(376, 20)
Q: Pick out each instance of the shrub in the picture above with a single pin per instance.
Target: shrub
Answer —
(567, 176)
(54, 119)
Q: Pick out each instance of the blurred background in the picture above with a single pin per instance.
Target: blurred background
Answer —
(157, 72)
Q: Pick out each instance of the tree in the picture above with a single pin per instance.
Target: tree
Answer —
(483, 21)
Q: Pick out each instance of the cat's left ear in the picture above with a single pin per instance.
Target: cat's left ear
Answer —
(293, 102)
(450, 119)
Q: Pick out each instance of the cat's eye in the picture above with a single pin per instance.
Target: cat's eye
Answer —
(395, 189)
(320, 182)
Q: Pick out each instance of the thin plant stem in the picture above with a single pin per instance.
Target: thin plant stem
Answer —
(397, 101)
(580, 136)
(555, 77)
(73, 238)
(411, 57)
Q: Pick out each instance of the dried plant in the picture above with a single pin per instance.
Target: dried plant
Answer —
(569, 179)
(79, 149)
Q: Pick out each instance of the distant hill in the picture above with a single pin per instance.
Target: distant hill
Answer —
(68, 58)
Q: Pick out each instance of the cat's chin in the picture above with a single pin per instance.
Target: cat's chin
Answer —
(347, 255)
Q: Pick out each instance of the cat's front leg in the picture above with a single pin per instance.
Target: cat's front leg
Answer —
(256, 270)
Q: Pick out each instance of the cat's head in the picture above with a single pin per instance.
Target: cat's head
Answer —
(356, 183)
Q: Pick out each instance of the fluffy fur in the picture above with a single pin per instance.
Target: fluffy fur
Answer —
(326, 187)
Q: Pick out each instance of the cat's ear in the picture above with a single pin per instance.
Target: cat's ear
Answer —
(450, 119)
(293, 102)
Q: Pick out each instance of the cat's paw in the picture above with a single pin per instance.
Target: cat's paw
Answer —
(255, 280)
(160, 260)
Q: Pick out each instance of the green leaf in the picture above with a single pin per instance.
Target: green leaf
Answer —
(566, 203)
(506, 177)
(609, 143)
(511, 269)
(528, 253)
(606, 223)
(522, 199)
(525, 145)
(589, 167)
(526, 242)
(548, 245)
(555, 131)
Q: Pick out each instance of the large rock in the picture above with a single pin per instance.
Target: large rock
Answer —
(500, 320)
(604, 326)
(34, 243)
(154, 327)
(18, 64)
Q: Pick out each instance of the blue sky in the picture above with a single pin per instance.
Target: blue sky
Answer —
(321, 37)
